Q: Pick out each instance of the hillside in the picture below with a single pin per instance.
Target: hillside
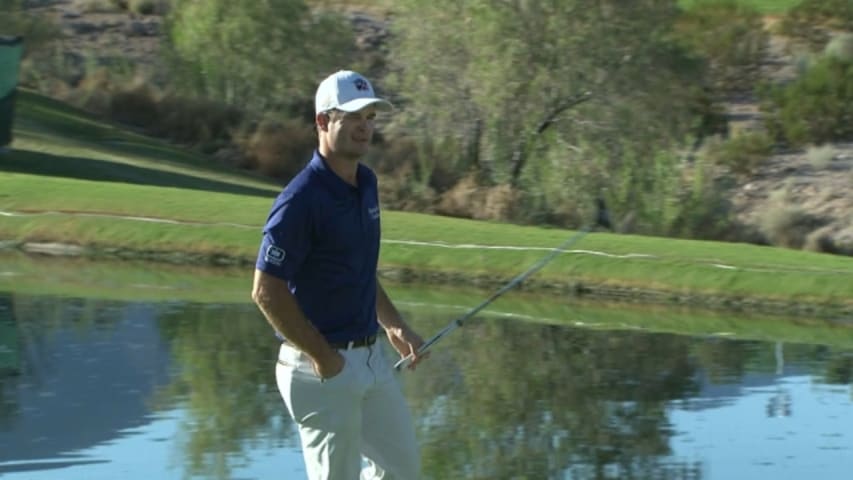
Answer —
(794, 199)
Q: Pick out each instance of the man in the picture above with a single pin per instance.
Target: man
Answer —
(315, 282)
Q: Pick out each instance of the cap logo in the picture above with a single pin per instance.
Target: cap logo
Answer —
(361, 85)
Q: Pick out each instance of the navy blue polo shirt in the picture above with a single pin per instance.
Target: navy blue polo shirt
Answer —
(322, 238)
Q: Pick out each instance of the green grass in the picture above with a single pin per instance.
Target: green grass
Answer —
(65, 198)
(54, 139)
(135, 281)
(763, 6)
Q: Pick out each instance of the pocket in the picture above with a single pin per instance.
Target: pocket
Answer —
(344, 370)
(321, 404)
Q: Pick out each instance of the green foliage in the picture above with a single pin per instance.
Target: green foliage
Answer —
(840, 47)
(148, 7)
(816, 108)
(263, 56)
(662, 194)
(584, 86)
(833, 13)
(763, 6)
(701, 207)
(730, 37)
(100, 6)
(742, 154)
(812, 20)
(38, 32)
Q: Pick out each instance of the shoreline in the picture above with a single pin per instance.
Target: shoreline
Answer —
(575, 288)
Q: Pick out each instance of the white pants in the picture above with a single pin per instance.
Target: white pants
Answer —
(359, 412)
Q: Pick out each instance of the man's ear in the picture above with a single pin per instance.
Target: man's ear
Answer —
(322, 120)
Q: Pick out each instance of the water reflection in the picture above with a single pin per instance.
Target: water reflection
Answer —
(107, 389)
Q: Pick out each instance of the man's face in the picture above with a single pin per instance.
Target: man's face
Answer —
(348, 134)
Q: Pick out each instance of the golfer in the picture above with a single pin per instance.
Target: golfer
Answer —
(315, 282)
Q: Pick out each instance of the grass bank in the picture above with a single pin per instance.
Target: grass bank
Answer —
(769, 7)
(74, 180)
(134, 281)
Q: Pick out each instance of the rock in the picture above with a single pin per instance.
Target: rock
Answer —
(139, 28)
(55, 249)
(83, 27)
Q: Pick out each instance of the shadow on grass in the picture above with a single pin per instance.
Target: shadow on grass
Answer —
(41, 119)
(39, 163)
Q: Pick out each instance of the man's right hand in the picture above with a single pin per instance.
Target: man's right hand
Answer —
(330, 365)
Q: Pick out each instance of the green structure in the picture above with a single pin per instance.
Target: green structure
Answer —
(10, 57)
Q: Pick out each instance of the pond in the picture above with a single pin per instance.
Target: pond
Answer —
(139, 388)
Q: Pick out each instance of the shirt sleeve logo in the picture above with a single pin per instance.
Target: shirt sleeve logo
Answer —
(274, 255)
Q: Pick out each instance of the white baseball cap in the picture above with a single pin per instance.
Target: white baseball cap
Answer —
(347, 91)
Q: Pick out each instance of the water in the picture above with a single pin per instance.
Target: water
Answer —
(93, 389)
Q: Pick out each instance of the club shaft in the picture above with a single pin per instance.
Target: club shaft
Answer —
(509, 286)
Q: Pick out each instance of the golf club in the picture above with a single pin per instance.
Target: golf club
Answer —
(602, 219)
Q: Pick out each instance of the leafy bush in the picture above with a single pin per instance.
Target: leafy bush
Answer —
(730, 36)
(264, 56)
(817, 108)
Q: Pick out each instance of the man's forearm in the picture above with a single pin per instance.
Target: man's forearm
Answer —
(386, 312)
(281, 310)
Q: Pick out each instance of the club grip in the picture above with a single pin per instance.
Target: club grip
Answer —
(403, 362)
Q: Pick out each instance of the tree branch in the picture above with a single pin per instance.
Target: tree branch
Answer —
(519, 155)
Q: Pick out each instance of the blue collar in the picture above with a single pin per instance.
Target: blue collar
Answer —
(332, 180)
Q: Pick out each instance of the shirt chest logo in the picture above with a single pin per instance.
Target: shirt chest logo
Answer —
(373, 212)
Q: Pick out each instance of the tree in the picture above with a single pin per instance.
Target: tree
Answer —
(264, 55)
(553, 93)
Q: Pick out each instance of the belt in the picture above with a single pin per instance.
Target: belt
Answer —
(359, 342)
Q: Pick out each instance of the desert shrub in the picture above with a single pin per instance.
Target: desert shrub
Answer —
(702, 208)
(93, 92)
(820, 157)
(469, 198)
(393, 154)
(148, 7)
(812, 20)
(821, 241)
(141, 7)
(840, 47)
(196, 121)
(398, 191)
(136, 105)
(731, 36)
(742, 154)
(100, 6)
(816, 108)
(785, 224)
(279, 148)
(40, 59)
(37, 30)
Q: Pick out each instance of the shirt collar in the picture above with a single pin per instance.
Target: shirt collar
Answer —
(332, 180)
